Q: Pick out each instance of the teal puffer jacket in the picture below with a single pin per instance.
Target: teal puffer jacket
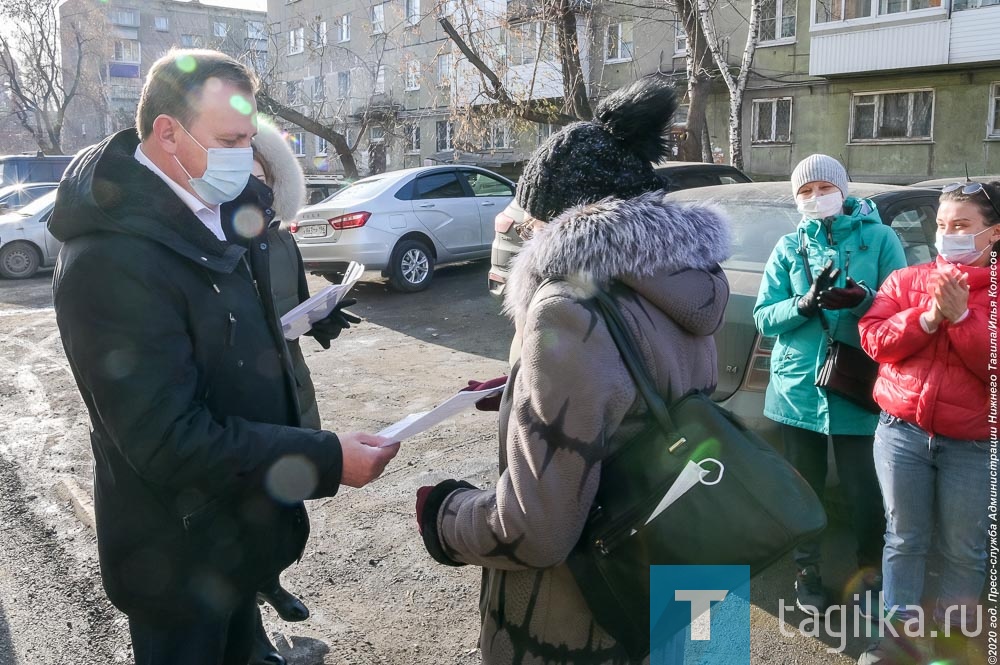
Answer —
(863, 248)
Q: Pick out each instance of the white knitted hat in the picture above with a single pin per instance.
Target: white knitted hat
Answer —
(819, 167)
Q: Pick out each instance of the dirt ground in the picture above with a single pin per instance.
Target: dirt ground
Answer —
(376, 597)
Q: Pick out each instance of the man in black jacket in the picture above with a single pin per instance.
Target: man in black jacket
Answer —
(200, 464)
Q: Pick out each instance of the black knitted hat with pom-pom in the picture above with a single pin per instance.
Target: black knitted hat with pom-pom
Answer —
(612, 155)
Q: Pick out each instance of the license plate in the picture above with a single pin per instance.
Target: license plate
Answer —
(313, 231)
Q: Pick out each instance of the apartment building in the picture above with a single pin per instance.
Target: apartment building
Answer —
(139, 32)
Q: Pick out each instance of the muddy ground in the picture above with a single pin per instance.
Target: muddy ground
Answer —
(375, 595)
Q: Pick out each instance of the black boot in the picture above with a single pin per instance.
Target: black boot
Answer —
(263, 652)
(285, 604)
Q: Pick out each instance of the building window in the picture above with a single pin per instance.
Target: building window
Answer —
(413, 74)
(444, 138)
(772, 120)
(259, 61)
(973, 4)
(127, 50)
(995, 110)
(189, 41)
(161, 23)
(220, 29)
(293, 93)
(343, 28)
(376, 135)
(777, 20)
(900, 6)
(411, 135)
(125, 17)
(618, 46)
(841, 10)
(318, 89)
(444, 69)
(321, 147)
(545, 130)
(680, 39)
(380, 80)
(412, 12)
(296, 41)
(497, 136)
(343, 85)
(535, 40)
(255, 30)
(318, 34)
(297, 141)
(378, 19)
(892, 116)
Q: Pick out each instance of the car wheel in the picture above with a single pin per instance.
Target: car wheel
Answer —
(19, 260)
(412, 266)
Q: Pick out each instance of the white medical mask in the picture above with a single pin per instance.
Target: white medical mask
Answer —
(959, 247)
(226, 173)
(821, 207)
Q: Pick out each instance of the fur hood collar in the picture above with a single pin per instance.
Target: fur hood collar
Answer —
(289, 184)
(642, 241)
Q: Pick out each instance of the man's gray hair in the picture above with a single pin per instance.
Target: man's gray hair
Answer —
(175, 81)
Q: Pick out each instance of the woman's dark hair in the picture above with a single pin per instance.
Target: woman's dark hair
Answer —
(986, 200)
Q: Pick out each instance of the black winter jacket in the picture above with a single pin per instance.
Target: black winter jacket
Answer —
(200, 466)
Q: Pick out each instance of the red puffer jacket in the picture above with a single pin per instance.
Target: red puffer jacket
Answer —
(937, 381)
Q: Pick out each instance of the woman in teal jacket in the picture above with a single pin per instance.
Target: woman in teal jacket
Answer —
(849, 253)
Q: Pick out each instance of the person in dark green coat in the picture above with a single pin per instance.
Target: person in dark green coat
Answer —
(849, 253)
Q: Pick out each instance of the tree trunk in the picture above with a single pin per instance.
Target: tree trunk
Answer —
(736, 131)
(270, 105)
(574, 82)
(698, 63)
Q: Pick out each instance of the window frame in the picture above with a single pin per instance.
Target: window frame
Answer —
(163, 21)
(115, 17)
(755, 119)
(680, 36)
(449, 135)
(993, 119)
(215, 29)
(411, 9)
(378, 85)
(377, 17)
(255, 32)
(296, 41)
(498, 128)
(779, 18)
(341, 77)
(412, 74)
(135, 48)
(879, 105)
(411, 138)
(619, 58)
(318, 89)
(297, 140)
(299, 97)
(342, 24)
(445, 81)
(319, 34)
(321, 147)
(875, 15)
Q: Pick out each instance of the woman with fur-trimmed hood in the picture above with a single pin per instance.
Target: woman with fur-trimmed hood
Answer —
(599, 220)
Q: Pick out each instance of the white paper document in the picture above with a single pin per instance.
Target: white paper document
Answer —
(415, 423)
(299, 320)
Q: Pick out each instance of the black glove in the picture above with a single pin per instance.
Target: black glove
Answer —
(337, 321)
(808, 304)
(849, 296)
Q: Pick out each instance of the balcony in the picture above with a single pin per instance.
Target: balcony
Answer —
(974, 35)
(880, 47)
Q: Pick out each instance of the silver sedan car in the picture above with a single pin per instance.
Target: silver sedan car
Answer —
(404, 223)
(25, 242)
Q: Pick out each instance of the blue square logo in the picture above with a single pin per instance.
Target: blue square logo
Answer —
(699, 615)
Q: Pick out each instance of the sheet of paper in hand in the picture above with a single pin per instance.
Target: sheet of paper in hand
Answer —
(300, 319)
(415, 423)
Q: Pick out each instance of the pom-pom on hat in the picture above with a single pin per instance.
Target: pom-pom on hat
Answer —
(819, 167)
(612, 155)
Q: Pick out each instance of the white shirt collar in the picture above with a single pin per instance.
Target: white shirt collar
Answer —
(210, 216)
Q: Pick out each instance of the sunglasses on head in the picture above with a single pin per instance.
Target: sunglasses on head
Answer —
(970, 188)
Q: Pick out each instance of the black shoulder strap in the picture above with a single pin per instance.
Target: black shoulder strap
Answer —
(804, 253)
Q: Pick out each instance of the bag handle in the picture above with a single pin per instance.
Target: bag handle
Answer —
(627, 348)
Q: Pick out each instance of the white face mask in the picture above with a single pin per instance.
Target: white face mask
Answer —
(821, 207)
(959, 247)
(226, 173)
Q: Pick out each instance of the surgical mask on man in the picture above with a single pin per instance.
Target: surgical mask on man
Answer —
(821, 207)
(959, 247)
(226, 173)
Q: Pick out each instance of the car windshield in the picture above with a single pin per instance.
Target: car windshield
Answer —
(38, 205)
(359, 190)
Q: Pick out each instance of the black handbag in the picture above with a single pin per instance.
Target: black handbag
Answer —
(847, 371)
(746, 506)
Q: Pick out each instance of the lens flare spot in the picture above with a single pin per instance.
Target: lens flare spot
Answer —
(186, 64)
(248, 221)
(119, 363)
(241, 104)
(291, 479)
(321, 163)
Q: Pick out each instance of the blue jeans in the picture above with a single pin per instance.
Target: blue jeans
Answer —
(926, 482)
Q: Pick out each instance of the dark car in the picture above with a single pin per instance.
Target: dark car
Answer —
(17, 196)
(760, 214)
(677, 175)
(19, 169)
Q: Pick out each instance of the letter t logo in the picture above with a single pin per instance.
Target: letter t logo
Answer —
(701, 609)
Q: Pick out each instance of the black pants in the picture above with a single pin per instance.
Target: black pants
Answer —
(806, 451)
(206, 640)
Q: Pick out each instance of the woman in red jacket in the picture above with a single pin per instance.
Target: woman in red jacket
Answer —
(929, 328)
